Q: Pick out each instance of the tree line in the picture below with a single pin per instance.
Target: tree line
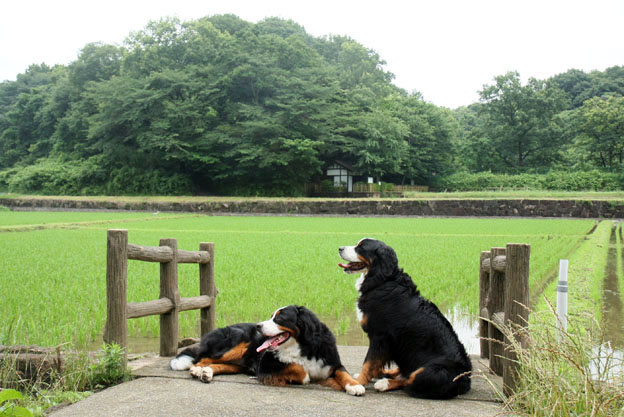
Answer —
(221, 105)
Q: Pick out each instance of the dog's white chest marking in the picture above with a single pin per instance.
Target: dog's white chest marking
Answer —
(315, 368)
(358, 285)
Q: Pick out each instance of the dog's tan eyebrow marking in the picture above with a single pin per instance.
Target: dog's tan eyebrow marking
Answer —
(293, 332)
(277, 312)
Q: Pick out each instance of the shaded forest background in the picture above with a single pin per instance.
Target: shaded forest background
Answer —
(222, 106)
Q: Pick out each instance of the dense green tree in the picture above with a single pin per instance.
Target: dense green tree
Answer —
(601, 127)
(520, 122)
(580, 86)
(222, 105)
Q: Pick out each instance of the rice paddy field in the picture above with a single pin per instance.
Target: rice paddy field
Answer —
(53, 266)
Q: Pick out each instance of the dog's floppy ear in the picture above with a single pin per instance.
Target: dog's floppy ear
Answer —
(386, 262)
(306, 320)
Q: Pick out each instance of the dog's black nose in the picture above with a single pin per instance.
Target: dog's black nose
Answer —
(340, 249)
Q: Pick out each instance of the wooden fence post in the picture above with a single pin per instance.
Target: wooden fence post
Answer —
(516, 306)
(496, 305)
(116, 330)
(207, 287)
(484, 288)
(169, 289)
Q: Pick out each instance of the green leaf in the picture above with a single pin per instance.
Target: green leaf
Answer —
(10, 394)
(21, 412)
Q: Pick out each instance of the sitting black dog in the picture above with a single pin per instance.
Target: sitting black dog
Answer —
(403, 327)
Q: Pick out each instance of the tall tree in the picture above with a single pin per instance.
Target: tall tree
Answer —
(601, 126)
(520, 122)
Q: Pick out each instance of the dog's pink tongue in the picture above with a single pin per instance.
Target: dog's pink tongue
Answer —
(264, 346)
(274, 341)
(343, 266)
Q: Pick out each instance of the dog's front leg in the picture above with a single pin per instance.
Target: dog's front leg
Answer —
(347, 383)
(374, 363)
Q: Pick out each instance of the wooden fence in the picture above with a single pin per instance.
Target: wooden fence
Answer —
(169, 304)
(503, 301)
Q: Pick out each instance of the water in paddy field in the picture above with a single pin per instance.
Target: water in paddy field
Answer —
(466, 326)
(612, 311)
(135, 344)
(607, 360)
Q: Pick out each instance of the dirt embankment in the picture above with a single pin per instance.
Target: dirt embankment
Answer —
(362, 207)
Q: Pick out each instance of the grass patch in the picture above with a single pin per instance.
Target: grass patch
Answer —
(577, 373)
(81, 375)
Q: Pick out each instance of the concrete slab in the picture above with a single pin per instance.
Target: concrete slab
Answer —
(159, 391)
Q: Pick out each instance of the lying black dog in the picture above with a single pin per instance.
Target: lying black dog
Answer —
(293, 347)
(403, 327)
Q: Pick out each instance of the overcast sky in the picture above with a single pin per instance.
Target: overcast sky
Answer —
(445, 49)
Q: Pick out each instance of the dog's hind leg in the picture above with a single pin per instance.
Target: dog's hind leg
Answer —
(206, 373)
(438, 381)
(292, 374)
(392, 373)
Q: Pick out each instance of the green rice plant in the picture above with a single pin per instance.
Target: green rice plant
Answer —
(55, 278)
(585, 275)
(23, 220)
(573, 373)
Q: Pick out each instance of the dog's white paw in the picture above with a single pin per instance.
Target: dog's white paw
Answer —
(195, 371)
(206, 374)
(306, 380)
(357, 390)
(382, 385)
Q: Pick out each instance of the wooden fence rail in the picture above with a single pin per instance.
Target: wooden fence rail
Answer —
(169, 303)
(503, 301)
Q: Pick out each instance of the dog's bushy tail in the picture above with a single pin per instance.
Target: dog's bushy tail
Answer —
(441, 379)
(185, 359)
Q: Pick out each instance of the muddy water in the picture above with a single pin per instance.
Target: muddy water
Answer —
(612, 312)
(135, 344)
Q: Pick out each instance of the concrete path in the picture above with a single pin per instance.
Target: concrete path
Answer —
(158, 391)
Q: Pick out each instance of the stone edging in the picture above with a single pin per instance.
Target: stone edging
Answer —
(363, 207)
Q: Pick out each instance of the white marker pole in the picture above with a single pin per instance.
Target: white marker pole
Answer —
(562, 297)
